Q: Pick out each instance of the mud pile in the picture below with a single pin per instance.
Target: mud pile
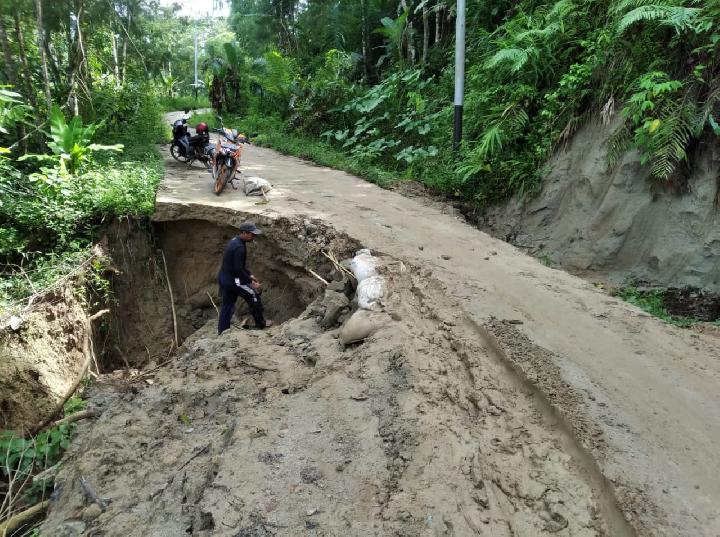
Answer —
(419, 430)
(40, 360)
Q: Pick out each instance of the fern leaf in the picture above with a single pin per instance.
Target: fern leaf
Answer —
(679, 18)
(668, 146)
(619, 144)
(491, 141)
(516, 56)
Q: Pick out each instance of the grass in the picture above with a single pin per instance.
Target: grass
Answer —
(652, 302)
(184, 102)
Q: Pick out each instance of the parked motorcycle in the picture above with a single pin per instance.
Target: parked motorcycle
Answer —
(231, 135)
(225, 164)
(188, 149)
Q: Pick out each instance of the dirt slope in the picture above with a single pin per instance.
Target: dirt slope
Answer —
(637, 395)
(618, 222)
(421, 430)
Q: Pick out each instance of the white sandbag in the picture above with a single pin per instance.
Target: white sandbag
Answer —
(369, 291)
(361, 325)
(363, 265)
(254, 186)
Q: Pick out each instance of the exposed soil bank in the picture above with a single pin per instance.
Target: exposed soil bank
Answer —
(616, 223)
(141, 328)
(40, 361)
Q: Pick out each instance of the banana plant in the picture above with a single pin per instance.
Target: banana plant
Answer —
(70, 142)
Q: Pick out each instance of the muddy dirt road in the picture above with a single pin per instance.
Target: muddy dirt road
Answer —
(501, 398)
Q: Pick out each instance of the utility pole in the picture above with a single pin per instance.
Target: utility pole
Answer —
(459, 72)
(195, 85)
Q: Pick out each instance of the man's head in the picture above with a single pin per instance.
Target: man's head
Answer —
(248, 230)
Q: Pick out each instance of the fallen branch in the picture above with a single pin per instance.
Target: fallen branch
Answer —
(48, 473)
(142, 375)
(22, 518)
(72, 418)
(338, 266)
(97, 315)
(258, 367)
(91, 495)
(172, 300)
(203, 450)
(311, 271)
(213, 303)
(89, 356)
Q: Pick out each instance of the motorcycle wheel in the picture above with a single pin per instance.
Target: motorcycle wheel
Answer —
(176, 153)
(221, 178)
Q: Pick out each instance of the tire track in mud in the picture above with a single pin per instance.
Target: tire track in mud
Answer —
(423, 429)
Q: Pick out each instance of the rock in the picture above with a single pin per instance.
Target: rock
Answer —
(337, 286)
(71, 528)
(362, 324)
(15, 323)
(334, 303)
(91, 512)
(310, 475)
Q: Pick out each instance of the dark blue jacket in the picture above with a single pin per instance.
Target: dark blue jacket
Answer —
(233, 264)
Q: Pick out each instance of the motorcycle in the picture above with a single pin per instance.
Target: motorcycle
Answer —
(188, 149)
(231, 135)
(225, 163)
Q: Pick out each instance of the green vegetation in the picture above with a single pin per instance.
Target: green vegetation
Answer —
(184, 102)
(23, 458)
(373, 79)
(51, 210)
(652, 301)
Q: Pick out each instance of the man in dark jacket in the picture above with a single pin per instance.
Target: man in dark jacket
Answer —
(236, 280)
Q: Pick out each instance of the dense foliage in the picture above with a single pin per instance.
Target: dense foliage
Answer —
(82, 83)
(373, 78)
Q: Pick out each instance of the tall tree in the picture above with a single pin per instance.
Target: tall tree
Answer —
(42, 49)
(27, 74)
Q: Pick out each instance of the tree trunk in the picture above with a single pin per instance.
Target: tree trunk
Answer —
(52, 64)
(11, 73)
(125, 42)
(365, 38)
(23, 60)
(86, 79)
(42, 47)
(116, 63)
(409, 34)
(438, 25)
(10, 70)
(426, 33)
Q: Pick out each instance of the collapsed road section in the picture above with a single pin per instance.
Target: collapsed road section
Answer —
(401, 417)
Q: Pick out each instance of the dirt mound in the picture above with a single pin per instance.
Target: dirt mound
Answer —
(40, 361)
(420, 430)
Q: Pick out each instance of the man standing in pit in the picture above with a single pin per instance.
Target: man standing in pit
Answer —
(236, 280)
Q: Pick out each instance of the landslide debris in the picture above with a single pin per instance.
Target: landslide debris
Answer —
(419, 429)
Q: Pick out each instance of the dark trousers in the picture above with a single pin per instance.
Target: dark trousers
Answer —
(229, 294)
